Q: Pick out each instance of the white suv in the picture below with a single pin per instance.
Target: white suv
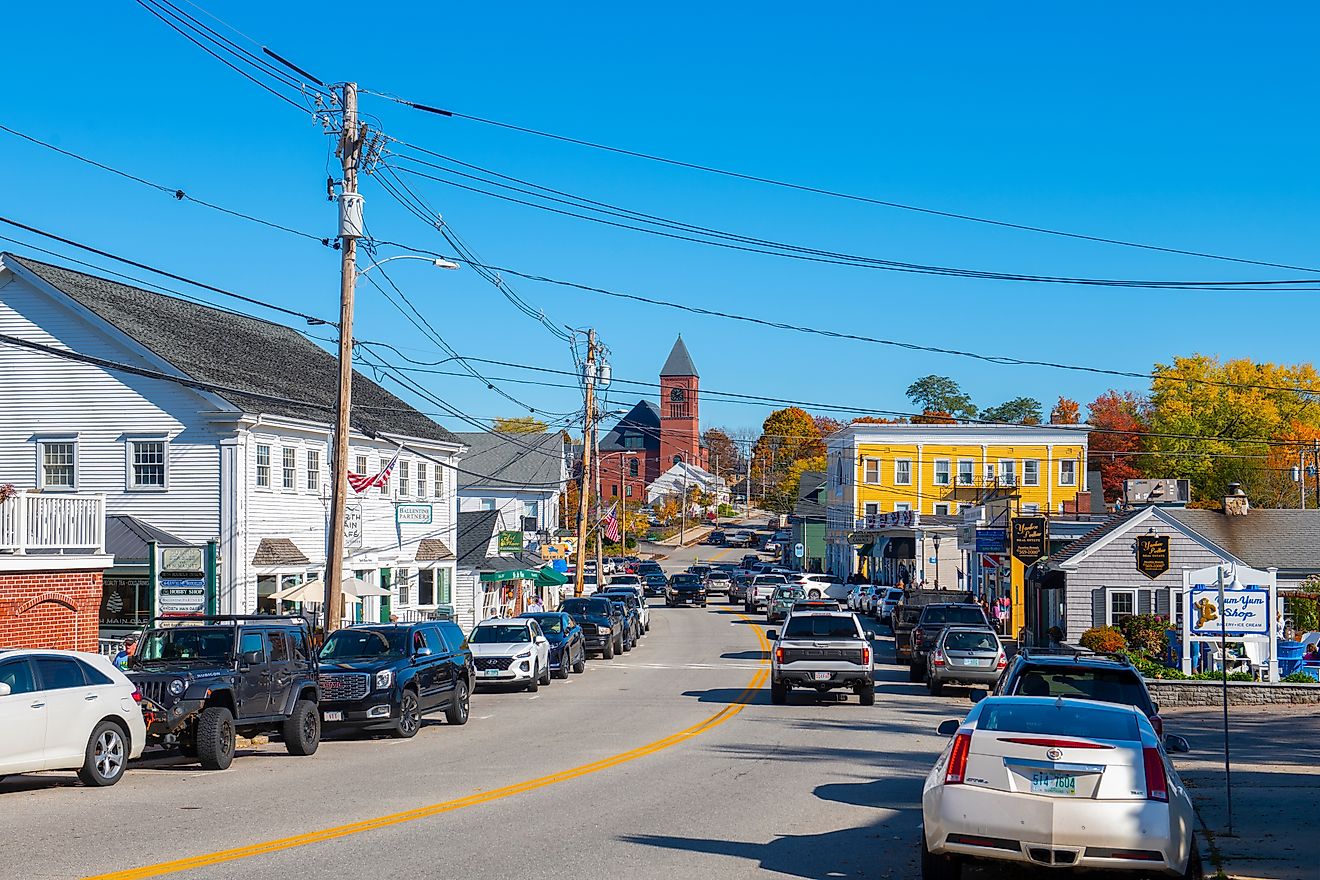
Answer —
(64, 710)
(511, 650)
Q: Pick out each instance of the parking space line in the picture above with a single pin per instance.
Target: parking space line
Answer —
(338, 831)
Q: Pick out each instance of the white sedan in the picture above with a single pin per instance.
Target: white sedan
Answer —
(65, 710)
(512, 650)
(1056, 782)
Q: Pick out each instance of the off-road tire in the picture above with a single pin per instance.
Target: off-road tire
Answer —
(866, 694)
(778, 693)
(459, 707)
(302, 729)
(410, 715)
(106, 755)
(215, 738)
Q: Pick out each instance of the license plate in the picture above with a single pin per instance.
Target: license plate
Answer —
(1057, 784)
(334, 716)
(491, 673)
(820, 676)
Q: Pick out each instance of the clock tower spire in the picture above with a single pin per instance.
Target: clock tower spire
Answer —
(680, 434)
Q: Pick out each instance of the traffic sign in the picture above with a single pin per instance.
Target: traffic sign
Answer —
(799, 550)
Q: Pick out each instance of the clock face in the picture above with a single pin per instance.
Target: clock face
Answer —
(676, 394)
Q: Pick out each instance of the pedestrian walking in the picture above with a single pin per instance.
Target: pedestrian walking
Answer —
(126, 652)
(997, 615)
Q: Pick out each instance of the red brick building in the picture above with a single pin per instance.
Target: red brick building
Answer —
(50, 609)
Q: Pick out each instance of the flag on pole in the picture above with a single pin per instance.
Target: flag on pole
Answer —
(611, 523)
(362, 482)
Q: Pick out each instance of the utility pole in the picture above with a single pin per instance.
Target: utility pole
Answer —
(351, 137)
(1316, 462)
(600, 505)
(747, 495)
(580, 564)
(623, 509)
(682, 527)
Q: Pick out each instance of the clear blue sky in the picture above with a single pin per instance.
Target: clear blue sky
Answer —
(1187, 125)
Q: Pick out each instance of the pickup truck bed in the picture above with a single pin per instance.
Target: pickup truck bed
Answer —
(909, 610)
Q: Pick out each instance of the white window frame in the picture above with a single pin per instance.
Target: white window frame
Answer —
(405, 478)
(897, 473)
(871, 508)
(1008, 476)
(421, 479)
(948, 472)
(438, 481)
(1073, 463)
(970, 469)
(1110, 593)
(991, 473)
(902, 506)
(1030, 509)
(936, 509)
(388, 486)
(257, 466)
(70, 440)
(870, 467)
(1028, 478)
(288, 469)
(313, 470)
(130, 461)
(360, 465)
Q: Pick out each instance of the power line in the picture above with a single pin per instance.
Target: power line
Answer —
(785, 184)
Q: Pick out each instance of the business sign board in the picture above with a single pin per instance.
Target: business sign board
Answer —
(353, 526)
(991, 540)
(510, 542)
(1152, 555)
(799, 550)
(1234, 603)
(182, 559)
(413, 514)
(181, 596)
(1244, 612)
(1029, 543)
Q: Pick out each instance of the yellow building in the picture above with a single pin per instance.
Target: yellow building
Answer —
(895, 491)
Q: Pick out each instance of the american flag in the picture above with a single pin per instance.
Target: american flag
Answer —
(362, 482)
(611, 523)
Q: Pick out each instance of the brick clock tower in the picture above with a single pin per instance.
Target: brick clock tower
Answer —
(680, 436)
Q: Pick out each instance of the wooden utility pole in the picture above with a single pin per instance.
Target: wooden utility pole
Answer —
(351, 137)
(588, 426)
(600, 506)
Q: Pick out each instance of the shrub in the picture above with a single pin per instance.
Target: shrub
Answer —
(1103, 640)
(1298, 678)
(1149, 668)
(1147, 633)
(1219, 676)
(1305, 611)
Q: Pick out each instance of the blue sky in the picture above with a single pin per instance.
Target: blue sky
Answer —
(1184, 125)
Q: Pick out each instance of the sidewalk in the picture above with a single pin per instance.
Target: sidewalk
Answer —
(1276, 786)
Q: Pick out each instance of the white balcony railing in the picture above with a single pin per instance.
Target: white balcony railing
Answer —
(47, 522)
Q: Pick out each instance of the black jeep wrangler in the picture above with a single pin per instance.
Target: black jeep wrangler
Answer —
(204, 679)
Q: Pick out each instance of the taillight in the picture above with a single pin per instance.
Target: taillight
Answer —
(779, 655)
(1158, 723)
(1157, 784)
(1001, 662)
(137, 695)
(916, 634)
(866, 657)
(937, 658)
(957, 767)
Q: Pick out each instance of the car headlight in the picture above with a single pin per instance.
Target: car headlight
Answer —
(526, 653)
(384, 679)
(176, 686)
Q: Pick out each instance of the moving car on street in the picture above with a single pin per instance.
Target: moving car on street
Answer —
(686, 589)
(1081, 676)
(568, 648)
(510, 650)
(602, 628)
(738, 588)
(1060, 783)
(908, 612)
(387, 676)
(822, 650)
(206, 679)
(930, 623)
(965, 655)
(885, 609)
(763, 586)
(781, 602)
(66, 710)
(656, 585)
(718, 581)
(820, 585)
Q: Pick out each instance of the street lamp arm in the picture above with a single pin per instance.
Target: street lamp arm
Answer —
(438, 262)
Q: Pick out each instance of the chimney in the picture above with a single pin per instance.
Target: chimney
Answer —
(1235, 502)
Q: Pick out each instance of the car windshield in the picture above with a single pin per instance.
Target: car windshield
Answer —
(767, 580)
(971, 641)
(1058, 719)
(953, 614)
(500, 633)
(187, 643)
(685, 580)
(1104, 685)
(655, 579)
(834, 626)
(586, 606)
(786, 593)
(552, 625)
(354, 644)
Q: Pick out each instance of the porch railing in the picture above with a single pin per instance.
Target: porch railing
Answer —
(48, 522)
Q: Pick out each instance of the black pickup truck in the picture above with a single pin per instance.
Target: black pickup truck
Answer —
(908, 611)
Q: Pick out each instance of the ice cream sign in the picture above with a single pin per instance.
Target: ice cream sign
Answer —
(1243, 611)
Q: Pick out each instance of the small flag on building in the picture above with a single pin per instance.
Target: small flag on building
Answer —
(611, 523)
(362, 482)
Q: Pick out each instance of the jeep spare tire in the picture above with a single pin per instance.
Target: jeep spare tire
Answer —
(215, 738)
(302, 729)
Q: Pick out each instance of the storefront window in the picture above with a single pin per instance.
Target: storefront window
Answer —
(125, 602)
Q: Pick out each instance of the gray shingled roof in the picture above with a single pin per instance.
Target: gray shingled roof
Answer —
(644, 419)
(127, 537)
(505, 461)
(679, 362)
(1288, 539)
(278, 551)
(475, 529)
(215, 346)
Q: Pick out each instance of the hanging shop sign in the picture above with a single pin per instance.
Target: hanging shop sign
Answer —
(1028, 534)
(1152, 555)
(413, 514)
(510, 542)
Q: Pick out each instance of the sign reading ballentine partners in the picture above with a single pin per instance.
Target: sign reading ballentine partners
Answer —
(1028, 533)
(1152, 555)
(413, 514)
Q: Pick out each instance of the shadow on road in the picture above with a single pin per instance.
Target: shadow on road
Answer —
(730, 695)
(745, 655)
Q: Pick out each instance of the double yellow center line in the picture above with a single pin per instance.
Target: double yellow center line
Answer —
(338, 831)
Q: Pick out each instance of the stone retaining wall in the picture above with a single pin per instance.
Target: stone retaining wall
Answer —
(1240, 693)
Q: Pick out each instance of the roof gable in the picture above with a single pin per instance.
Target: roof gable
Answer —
(644, 420)
(505, 461)
(475, 530)
(218, 347)
(679, 362)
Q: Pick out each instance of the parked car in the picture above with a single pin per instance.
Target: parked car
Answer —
(631, 622)
(66, 710)
(208, 678)
(1078, 675)
(386, 676)
(602, 628)
(656, 585)
(649, 566)
(885, 610)
(568, 647)
(510, 650)
(686, 589)
(781, 602)
(625, 580)
(908, 612)
(822, 650)
(761, 589)
(932, 622)
(1057, 782)
(716, 537)
(964, 655)
(635, 600)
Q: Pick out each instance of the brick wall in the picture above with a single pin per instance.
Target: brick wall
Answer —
(58, 609)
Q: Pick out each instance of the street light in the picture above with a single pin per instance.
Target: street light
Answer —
(437, 262)
(935, 539)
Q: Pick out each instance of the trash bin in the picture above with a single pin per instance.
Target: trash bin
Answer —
(1290, 656)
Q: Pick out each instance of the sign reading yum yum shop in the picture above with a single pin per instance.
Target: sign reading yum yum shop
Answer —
(1245, 611)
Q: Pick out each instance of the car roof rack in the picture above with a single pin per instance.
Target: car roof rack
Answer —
(233, 618)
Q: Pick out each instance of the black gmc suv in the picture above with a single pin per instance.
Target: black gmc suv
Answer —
(602, 625)
(385, 676)
(203, 679)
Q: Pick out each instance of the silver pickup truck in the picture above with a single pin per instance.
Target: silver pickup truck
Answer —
(824, 650)
(760, 590)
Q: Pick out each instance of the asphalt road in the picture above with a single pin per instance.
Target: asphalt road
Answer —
(668, 762)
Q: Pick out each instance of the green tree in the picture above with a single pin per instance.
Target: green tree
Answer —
(786, 492)
(520, 425)
(938, 395)
(1018, 411)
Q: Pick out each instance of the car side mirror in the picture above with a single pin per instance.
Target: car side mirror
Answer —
(978, 696)
(423, 652)
(772, 635)
(4, 689)
(250, 657)
(948, 728)
(1175, 744)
